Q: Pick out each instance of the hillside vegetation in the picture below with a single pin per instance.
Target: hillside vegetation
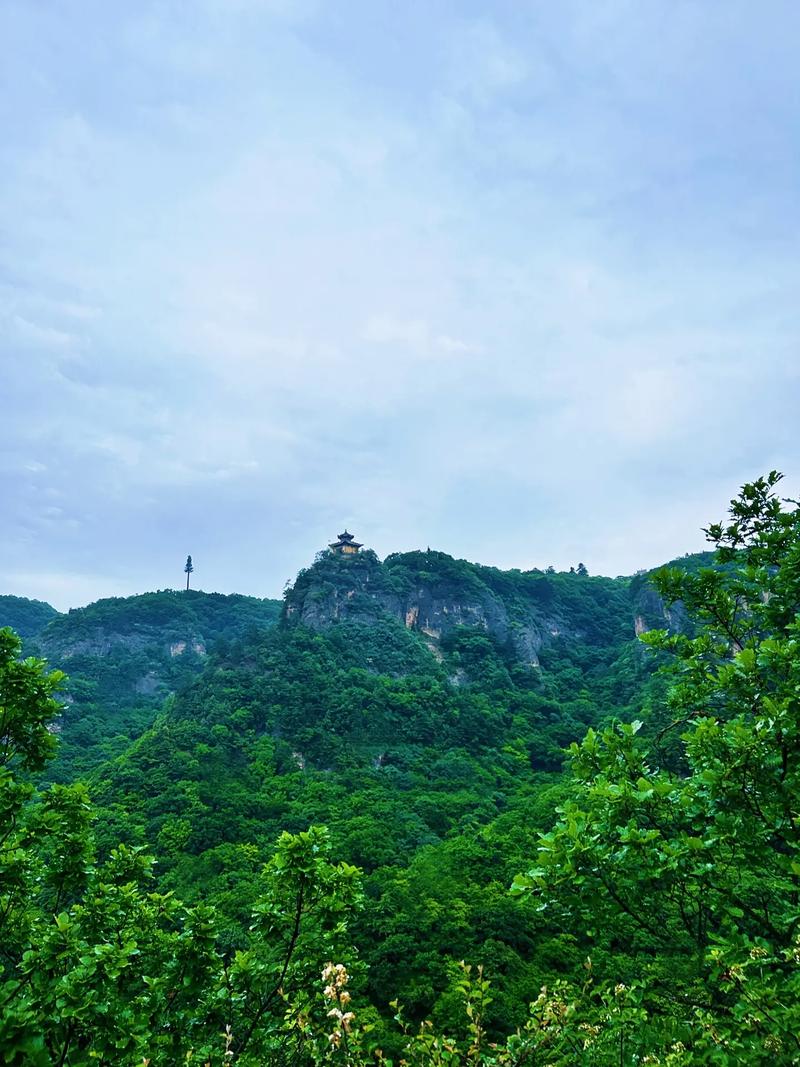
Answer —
(25, 617)
(637, 906)
(419, 708)
(125, 656)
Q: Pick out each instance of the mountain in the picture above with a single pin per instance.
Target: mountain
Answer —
(125, 655)
(27, 617)
(168, 622)
(418, 706)
(416, 614)
(435, 595)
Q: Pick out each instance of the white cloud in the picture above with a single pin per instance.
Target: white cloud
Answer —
(45, 336)
(415, 336)
(269, 268)
(483, 62)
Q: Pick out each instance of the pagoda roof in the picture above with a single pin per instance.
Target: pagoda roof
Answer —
(346, 538)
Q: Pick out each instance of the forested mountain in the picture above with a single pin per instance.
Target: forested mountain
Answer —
(25, 617)
(418, 707)
(125, 656)
(421, 614)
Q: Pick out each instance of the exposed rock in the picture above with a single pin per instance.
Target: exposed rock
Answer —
(148, 685)
(130, 651)
(99, 644)
(356, 588)
(420, 592)
(651, 613)
(434, 649)
(528, 639)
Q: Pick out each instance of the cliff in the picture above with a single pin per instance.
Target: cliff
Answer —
(649, 610)
(424, 617)
(163, 625)
(434, 594)
(125, 655)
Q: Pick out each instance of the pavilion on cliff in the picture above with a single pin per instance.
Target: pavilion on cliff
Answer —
(345, 546)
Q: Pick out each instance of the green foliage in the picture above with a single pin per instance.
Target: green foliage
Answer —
(173, 615)
(408, 749)
(125, 655)
(688, 883)
(422, 765)
(99, 966)
(26, 617)
(333, 576)
(658, 926)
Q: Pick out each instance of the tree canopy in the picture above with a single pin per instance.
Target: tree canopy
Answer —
(657, 920)
(687, 879)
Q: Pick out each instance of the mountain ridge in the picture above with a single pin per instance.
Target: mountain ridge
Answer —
(124, 656)
(415, 613)
(434, 594)
(419, 707)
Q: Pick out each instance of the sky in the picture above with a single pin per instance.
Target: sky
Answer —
(513, 280)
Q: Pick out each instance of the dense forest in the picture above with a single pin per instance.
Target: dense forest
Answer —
(423, 812)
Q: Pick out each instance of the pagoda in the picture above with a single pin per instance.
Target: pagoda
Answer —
(345, 546)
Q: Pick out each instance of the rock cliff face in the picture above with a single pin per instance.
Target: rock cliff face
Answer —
(651, 613)
(338, 588)
(434, 594)
(126, 649)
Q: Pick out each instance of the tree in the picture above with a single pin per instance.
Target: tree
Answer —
(96, 965)
(188, 568)
(689, 883)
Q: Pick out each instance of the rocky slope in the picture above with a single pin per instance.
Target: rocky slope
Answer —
(125, 655)
(434, 594)
(416, 614)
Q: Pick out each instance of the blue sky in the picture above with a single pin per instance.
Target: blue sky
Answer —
(518, 281)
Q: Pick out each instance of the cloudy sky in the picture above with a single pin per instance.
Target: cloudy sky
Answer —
(516, 280)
